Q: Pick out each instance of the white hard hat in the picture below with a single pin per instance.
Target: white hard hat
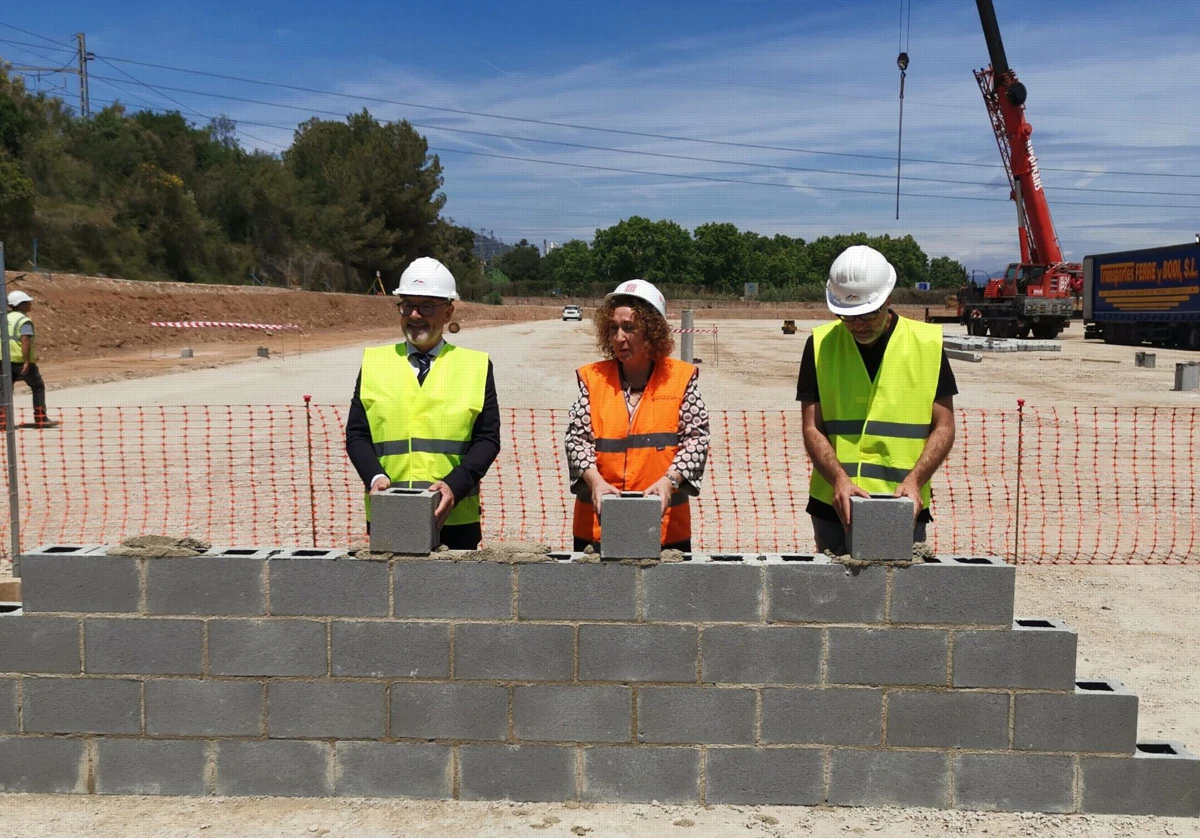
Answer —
(17, 298)
(427, 277)
(643, 289)
(860, 280)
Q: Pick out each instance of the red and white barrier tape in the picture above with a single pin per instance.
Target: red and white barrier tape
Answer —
(713, 330)
(240, 325)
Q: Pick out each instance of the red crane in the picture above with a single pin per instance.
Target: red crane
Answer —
(1035, 295)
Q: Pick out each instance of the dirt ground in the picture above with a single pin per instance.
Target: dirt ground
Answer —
(1136, 624)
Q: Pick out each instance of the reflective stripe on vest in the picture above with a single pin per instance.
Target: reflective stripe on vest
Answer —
(878, 429)
(633, 455)
(16, 320)
(422, 431)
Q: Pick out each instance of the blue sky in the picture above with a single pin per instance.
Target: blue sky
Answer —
(751, 91)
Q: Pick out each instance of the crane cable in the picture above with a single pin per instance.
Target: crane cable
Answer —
(902, 63)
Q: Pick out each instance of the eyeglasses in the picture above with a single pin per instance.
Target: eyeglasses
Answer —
(423, 309)
(868, 316)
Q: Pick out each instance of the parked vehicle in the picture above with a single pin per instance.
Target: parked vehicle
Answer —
(571, 312)
(1151, 295)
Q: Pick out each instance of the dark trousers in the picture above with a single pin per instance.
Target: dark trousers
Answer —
(831, 536)
(32, 378)
(457, 537)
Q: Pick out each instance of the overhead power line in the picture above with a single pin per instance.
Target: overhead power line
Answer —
(626, 132)
(639, 152)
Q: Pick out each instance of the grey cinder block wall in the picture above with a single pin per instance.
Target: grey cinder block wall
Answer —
(772, 679)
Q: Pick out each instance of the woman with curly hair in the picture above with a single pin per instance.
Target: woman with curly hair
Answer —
(639, 423)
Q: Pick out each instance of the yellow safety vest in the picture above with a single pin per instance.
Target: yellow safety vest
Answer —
(16, 320)
(878, 429)
(421, 431)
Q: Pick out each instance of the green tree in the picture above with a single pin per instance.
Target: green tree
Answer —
(523, 263)
(722, 258)
(946, 273)
(661, 252)
(571, 267)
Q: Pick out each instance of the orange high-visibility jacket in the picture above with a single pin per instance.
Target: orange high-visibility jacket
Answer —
(632, 455)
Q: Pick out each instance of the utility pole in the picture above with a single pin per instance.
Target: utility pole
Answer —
(85, 105)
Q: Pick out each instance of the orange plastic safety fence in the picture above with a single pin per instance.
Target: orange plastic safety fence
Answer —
(1097, 485)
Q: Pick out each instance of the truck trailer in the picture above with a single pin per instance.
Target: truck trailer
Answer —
(1148, 296)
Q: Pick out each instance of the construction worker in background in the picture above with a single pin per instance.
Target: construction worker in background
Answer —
(877, 398)
(424, 412)
(22, 348)
(639, 422)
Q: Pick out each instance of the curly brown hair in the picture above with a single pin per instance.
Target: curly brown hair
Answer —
(658, 332)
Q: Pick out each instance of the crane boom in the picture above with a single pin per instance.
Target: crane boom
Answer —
(1005, 98)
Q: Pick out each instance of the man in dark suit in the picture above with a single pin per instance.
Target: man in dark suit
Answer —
(424, 412)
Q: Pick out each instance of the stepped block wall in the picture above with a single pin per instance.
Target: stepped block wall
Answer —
(773, 679)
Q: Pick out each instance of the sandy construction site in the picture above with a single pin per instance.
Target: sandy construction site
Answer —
(1136, 623)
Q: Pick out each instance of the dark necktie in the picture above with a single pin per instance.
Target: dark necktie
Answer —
(424, 360)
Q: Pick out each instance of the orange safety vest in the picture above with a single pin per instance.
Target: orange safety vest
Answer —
(632, 454)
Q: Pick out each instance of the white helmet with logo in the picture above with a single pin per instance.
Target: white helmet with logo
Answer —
(426, 277)
(641, 289)
(18, 297)
(860, 281)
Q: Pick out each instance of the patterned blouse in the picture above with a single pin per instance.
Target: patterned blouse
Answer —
(690, 459)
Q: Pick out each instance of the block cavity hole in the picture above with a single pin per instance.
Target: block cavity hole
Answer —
(1157, 749)
(1033, 622)
(1095, 686)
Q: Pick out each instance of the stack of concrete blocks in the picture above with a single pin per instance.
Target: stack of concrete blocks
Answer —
(1187, 376)
(778, 679)
(1144, 359)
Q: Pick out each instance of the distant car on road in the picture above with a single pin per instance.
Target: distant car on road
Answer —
(571, 312)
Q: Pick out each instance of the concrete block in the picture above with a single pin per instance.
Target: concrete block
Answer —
(758, 655)
(514, 652)
(702, 592)
(630, 526)
(825, 592)
(74, 581)
(892, 656)
(205, 585)
(1143, 359)
(414, 771)
(241, 552)
(968, 720)
(637, 653)
(588, 713)
(325, 709)
(8, 706)
(1008, 782)
(587, 591)
(40, 644)
(441, 589)
(150, 768)
(308, 586)
(880, 529)
(1035, 653)
(520, 774)
(43, 765)
(452, 711)
(843, 716)
(946, 590)
(273, 768)
(69, 705)
(267, 647)
(641, 774)
(1100, 716)
(390, 649)
(402, 521)
(696, 716)
(204, 707)
(765, 777)
(881, 778)
(1162, 778)
(143, 646)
